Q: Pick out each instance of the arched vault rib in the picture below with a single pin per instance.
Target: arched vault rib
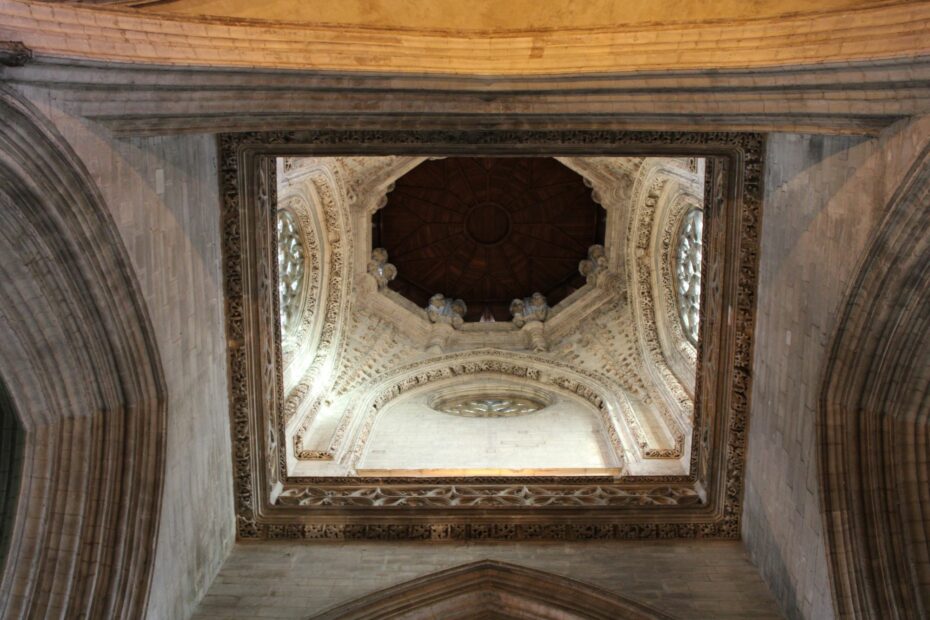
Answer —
(78, 354)
(874, 432)
(490, 589)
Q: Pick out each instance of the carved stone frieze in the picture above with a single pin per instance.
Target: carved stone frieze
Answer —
(472, 495)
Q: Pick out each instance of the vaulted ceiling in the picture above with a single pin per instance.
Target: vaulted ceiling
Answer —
(488, 230)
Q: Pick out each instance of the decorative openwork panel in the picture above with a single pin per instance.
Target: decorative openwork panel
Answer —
(704, 503)
(688, 259)
(290, 270)
(490, 406)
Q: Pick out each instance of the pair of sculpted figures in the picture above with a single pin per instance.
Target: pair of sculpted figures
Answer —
(529, 313)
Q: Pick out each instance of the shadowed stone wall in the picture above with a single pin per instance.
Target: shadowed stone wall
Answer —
(712, 579)
(163, 195)
(824, 198)
(11, 456)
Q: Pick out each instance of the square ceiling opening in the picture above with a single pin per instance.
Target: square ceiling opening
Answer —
(489, 316)
(436, 328)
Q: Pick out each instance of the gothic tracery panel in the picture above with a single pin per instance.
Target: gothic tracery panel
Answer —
(688, 258)
(291, 272)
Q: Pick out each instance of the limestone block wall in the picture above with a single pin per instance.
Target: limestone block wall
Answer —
(695, 579)
(163, 194)
(824, 197)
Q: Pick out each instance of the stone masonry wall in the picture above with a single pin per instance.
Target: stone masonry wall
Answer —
(695, 579)
(824, 197)
(163, 194)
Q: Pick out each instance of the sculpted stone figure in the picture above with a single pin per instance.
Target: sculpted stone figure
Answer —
(532, 308)
(595, 264)
(447, 311)
(381, 270)
(529, 314)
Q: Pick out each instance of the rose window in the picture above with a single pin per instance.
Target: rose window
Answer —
(489, 407)
(290, 269)
(688, 272)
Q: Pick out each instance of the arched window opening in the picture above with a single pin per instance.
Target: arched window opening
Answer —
(290, 270)
(688, 272)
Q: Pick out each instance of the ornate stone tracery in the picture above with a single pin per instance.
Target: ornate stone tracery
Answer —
(688, 272)
(291, 272)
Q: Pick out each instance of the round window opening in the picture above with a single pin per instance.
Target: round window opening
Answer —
(490, 404)
(688, 258)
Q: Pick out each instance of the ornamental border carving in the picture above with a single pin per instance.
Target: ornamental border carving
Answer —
(490, 362)
(705, 504)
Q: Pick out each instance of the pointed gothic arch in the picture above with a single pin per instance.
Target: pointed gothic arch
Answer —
(79, 357)
(875, 420)
(489, 589)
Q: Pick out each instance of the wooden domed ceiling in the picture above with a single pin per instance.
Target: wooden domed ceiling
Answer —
(488, 230)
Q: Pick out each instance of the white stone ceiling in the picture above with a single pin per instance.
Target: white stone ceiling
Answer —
(364, 366)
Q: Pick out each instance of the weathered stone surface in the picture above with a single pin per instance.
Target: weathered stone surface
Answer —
(162, 194)
(688, 580)
(824, 199)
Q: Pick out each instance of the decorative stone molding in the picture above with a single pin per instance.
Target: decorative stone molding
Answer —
(465, 493)
(650, 281)
(381, 270)
(724, 364)
(874, 428)
(324, 190)
(80, 360)
(348, 441)
(491, 589)
(595, 265)
(680, 353)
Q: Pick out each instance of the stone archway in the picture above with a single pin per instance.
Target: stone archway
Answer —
(490, 589)
(79, 358)
(874, 432)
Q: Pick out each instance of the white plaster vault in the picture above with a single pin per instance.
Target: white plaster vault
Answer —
(362, 364)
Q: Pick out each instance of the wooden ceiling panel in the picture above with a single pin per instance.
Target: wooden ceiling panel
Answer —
(488, 230)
